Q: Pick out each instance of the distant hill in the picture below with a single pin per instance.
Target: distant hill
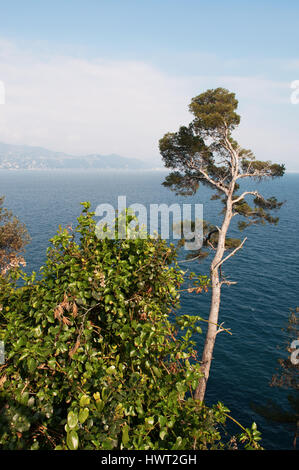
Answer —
(33, 158)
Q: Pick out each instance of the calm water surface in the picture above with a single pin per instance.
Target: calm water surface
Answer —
(256, 309)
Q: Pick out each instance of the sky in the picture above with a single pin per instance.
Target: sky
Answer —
(113, 76)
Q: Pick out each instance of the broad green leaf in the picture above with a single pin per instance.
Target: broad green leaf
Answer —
(72, 419)
(84, 400)
(31, 364)
(111, 370)
(83, 415)
(125, 435)
(72, 440)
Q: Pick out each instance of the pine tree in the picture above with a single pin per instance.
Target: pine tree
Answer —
(204, 152)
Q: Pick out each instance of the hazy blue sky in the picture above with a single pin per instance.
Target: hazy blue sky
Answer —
(113, 76)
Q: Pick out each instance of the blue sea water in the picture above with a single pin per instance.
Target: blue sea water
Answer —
(255, 309)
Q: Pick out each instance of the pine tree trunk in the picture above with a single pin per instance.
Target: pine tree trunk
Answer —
(207, 355)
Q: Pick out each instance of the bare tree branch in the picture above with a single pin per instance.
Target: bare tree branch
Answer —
(217, 184)
(233, 153)
(228, 283)
(220, 329)
(254, 174)
(253, 193)
(231, 254)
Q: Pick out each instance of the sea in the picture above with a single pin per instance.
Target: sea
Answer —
(255, 310)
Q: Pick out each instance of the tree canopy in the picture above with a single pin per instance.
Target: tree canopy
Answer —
(204, 152)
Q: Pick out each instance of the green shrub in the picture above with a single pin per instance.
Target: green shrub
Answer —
(96, 357)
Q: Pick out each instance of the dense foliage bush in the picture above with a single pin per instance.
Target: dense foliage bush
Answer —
(96, 357)
(13, 239)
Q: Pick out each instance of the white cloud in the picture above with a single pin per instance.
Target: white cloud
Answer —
(85, 106)
(81, 106)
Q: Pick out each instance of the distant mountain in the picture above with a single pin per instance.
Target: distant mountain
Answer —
(33, 158)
